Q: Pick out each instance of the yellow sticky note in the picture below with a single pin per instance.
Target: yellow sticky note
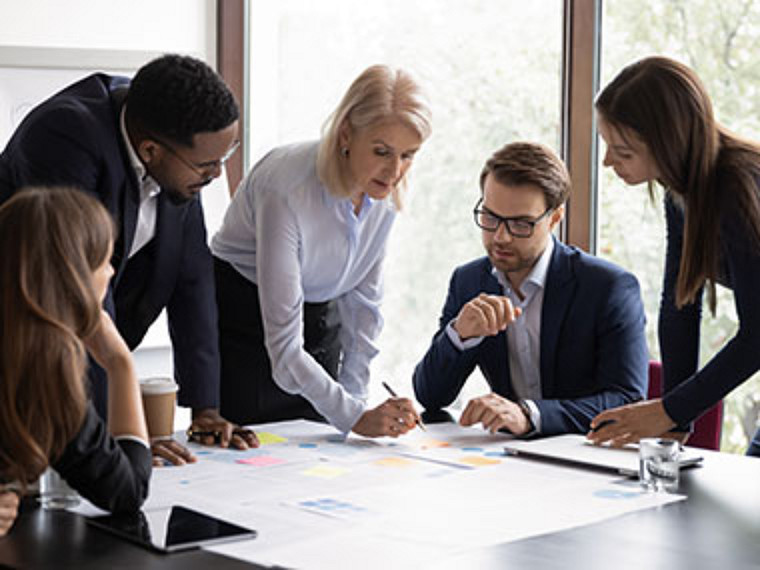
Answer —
(266, 438)
(478, 461)
(325, 471)
(393, 462)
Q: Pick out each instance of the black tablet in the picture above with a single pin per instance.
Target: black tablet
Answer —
(171, 529)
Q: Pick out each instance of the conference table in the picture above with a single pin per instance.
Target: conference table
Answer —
(717, 527)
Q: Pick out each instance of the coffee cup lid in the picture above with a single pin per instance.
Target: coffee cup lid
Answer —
(158, 385)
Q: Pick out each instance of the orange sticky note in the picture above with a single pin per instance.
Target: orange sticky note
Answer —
(393, 462)
(477, 461)
(433, 443)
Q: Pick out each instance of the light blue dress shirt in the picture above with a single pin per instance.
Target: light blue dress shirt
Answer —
(523, 335)
(288, 234)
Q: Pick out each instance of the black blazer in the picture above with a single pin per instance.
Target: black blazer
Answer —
(112, 474)
(74, 139)
(593, 346)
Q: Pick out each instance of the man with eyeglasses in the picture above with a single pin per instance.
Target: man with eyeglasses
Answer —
(145, 148)
(557, 333)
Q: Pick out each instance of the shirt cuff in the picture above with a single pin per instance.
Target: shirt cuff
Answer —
(133, 438)
(535, 418)
(458, 342)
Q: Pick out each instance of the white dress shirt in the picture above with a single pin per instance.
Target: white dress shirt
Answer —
(523, 335)
(285, 232)
(149, 191)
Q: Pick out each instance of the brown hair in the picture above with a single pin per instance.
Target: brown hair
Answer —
(699, 161)
(51, 241)
(530, 163)
(379, 94)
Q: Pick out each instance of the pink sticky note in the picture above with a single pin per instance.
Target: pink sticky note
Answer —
(261, 460)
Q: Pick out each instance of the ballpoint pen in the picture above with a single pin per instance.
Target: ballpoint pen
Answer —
(393, 393)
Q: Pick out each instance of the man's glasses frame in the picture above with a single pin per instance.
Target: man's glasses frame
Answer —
(203, 169)
(518, 226)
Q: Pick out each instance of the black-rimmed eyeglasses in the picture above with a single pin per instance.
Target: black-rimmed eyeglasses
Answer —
(518, 226)
(203, 168)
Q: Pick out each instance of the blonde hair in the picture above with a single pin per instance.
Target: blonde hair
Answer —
(379, 94)
(51, 241)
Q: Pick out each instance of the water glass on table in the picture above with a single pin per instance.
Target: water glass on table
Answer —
(658, 464)
(55, 493)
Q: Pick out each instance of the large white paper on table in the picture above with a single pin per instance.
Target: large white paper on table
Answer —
(319, 500)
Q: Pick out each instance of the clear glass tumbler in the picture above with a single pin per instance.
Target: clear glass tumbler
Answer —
(658, 464)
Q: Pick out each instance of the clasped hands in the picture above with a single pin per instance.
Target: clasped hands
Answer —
(214, 429)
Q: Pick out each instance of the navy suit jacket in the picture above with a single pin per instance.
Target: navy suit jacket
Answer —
(593, 346)
(74, 139)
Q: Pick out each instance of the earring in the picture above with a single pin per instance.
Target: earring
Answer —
(344, 151)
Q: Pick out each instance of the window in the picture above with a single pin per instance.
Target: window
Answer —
(492, 72)
(718, 40)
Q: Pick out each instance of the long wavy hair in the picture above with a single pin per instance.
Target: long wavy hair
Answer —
(701, 163)
(380, 93)
(51, 241)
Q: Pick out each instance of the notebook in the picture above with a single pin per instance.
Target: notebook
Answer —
(576, 449)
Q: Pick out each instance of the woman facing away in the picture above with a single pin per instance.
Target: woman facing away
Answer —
(299, 258)
(55, 246)
(657, 121)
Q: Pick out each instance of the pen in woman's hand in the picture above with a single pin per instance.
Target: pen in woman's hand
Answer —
(394, 395)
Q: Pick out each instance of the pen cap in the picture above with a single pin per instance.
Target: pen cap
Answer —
(159, 394)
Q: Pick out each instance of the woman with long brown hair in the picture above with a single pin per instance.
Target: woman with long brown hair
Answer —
(658, 123)
(55, 246)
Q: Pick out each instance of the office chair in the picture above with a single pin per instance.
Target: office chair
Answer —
(707, 428)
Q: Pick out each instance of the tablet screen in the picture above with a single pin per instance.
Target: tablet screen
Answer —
(171, 529)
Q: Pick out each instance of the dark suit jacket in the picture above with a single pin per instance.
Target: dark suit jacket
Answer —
(593, 347)
(112, 474)
(73, 139)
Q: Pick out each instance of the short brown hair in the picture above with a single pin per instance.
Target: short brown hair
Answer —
(530, 163)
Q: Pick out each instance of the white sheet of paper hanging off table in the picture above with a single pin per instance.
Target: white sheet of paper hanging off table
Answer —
(319, 501)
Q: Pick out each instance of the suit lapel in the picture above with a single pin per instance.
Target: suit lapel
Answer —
(560, 289)
(129, 192)
(495, 347)
(168, 246)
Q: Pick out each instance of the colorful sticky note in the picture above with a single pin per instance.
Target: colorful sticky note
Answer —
(261, 460)
(325, 471)
(477, 461)
(433, 443)
(266, 438)
(394, 462)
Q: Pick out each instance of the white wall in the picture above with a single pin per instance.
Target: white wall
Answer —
(109, 30)
(186, 26)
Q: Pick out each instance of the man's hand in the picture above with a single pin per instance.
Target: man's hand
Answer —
(209, 428)
(496, 412)
(485, 315)
(8, 510)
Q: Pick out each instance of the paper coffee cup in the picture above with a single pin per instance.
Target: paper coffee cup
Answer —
(159, 395)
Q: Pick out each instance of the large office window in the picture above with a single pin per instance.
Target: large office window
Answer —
(492, 70)
(719, 41)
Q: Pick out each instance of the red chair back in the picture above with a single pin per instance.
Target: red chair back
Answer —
(707, 428)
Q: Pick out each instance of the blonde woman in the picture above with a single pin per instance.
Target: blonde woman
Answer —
(299, 259)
